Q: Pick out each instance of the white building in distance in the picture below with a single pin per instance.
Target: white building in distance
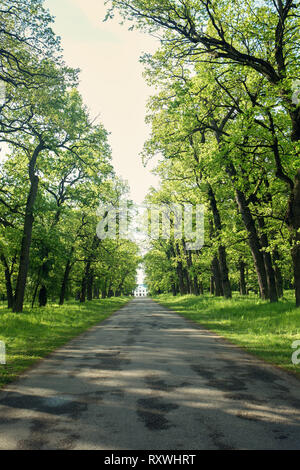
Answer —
(141, 291)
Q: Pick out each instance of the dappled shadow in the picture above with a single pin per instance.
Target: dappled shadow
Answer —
(149, 379)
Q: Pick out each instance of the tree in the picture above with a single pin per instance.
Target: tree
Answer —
(55, 173)
(260, 38)
(28, 44)
(195, 126)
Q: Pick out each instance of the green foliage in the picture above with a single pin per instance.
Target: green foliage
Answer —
(227, 132)
(56, 172)
(40, 331)
(264, 330)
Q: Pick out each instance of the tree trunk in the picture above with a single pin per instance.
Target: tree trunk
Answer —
(224, 272)
(296, 266)
(90, 281)
(174, 292)
(193, 283)
(87, 283)
(27, 233)
(96, 293)
(187, 281)
(120, 288)
(253, 238)
(268, 263)
(35, 292)
(196, 290)
(64, 283)
(295, 118)
(243, 287)
(43, 296)
(110, 293)
(182, 288)
(217, 277)
(293, 221)
(212, 285)
(181, 273)
(201, 290)
(221, 249)
(103, 294)
(104, 290)
(278, 275)
(254, 243)
(25, 247)
(8, 284)
(83, 289)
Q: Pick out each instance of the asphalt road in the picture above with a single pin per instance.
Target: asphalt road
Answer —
(146, 378)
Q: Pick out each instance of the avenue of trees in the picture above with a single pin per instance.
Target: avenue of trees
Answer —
(226, 127)
(55, 169)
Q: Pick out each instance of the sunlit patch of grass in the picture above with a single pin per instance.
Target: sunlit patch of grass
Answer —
(33, 334)
(263, 329)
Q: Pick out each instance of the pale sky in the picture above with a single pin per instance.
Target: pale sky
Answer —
(111, 81)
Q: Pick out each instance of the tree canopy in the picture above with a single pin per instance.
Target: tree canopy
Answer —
(226, 125)
(56, 170)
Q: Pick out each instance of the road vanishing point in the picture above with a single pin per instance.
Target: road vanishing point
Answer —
(148, 379)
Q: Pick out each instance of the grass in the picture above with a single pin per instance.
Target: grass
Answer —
(33, 334)
(263, 329)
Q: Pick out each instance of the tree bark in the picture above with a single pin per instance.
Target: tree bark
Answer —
(64, 283)
(296, 266)
(180, 273)
(196, 290)
(212, 285)
(90, 281)
(268, 263)
(201, 289)
(278, 274)
(186, 271)
(226, 287)
(96, 293)
(27, 233)
(254, 243)
(83, 289)
(253, 238)
(243, 287)
(110, 292)
(217, 277)
(293, 221)
(8, 283)
(104, 290)
(43, 296)
(103, 294)
(189, 286)
(182, 288)
(221, 249)
(35, 292)
(25, 247)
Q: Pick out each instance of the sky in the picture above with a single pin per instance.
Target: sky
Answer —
(111, 81)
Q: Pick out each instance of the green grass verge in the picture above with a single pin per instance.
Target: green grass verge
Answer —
(263, 329)
(33, 334)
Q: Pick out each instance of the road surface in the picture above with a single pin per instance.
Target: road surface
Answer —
(146, 378)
